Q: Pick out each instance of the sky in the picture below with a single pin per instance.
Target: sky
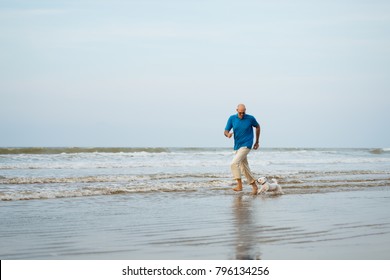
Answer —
(169, 73)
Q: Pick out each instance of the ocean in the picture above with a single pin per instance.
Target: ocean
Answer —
(177, 203)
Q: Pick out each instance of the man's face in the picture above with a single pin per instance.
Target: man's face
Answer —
(241, 112)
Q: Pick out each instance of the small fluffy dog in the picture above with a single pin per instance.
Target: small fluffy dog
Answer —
(266, 186)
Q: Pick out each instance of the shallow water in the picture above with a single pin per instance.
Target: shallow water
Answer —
(226, 225)
(178, 204)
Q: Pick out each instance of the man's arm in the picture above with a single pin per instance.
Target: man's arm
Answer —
(228, 127)
(256, 145)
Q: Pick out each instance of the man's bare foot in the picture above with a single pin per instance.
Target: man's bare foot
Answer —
(239, 186)
(254, 189)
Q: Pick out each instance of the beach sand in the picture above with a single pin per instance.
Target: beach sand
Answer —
(196, 225)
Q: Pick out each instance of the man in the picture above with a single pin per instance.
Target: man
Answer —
(242, 125)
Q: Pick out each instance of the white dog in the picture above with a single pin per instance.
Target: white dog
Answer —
(267, 186)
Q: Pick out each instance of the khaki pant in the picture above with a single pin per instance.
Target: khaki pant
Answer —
(240, 165)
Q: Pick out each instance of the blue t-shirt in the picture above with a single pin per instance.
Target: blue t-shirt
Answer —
(242, 129)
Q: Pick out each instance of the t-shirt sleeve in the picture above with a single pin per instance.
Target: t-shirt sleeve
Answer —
(254, 122)
(229, 124)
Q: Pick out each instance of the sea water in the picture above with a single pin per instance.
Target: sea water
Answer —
(50, 173)
(178, 203)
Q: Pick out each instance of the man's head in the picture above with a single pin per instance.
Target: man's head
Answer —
(241, 110)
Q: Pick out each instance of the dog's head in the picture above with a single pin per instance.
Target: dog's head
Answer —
(262, 180)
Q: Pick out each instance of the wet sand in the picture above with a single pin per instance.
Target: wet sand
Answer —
(197, 225)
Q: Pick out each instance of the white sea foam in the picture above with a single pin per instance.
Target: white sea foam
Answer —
(66, 173)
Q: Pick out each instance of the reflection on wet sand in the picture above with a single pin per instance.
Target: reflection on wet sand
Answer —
(246, 246)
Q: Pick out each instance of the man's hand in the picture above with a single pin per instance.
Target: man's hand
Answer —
(256, 146)
(228, 134)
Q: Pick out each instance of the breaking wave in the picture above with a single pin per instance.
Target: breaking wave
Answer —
(380, 151)
(76, 150)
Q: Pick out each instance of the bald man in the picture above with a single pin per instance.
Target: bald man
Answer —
(242, 125)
